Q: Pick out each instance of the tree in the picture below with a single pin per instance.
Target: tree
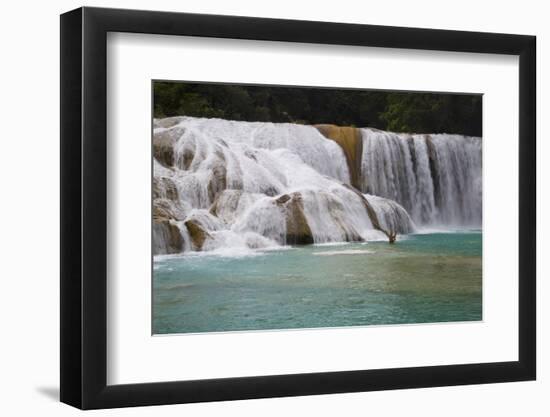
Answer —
(394, 111)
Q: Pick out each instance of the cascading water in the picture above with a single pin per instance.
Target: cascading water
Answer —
(436, 178)
(223, 189)
(221, 185)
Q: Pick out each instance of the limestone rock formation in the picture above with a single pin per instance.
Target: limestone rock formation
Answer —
(197, 234)
(163, 145)
(249, 185)
(349, 139)
(298, 231)
(167, 122)
(168, 210)
(164, 187)
(386, 215)
(167, 238)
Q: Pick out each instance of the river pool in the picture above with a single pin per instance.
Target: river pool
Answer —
(423, 278)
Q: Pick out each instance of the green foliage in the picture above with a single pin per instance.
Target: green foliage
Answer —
(398, 112)
(423, 112)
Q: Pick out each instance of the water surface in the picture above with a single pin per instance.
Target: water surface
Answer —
(423, 278)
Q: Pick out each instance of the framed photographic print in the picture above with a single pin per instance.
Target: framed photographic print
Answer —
(257, 208)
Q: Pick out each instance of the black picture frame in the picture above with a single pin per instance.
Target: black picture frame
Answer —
(84, 207)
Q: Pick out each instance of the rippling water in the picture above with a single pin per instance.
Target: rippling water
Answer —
(423, 278)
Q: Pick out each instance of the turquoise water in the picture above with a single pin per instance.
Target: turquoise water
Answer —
(423, 278)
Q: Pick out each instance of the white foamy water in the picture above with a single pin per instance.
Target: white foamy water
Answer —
(436, 178)
(344, 252)
(252, 186)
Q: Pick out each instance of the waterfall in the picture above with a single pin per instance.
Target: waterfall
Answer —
(220, 185)
(436, 178)
(223, 185)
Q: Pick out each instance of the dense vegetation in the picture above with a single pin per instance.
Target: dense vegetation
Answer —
(393, 111)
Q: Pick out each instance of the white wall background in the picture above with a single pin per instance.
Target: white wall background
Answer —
(29, 219)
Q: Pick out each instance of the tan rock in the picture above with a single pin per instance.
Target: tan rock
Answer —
(370, 211)
(229, 201)
(166, 237)
(167, 122)
(197, 234)
(167, 209)
(349, 139)
(298, 231)
(164, 187)
(218, 181)
(391, 234)
(163, 145)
